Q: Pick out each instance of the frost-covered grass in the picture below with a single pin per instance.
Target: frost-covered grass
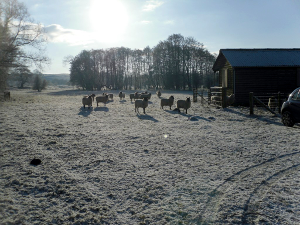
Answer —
(109, 165)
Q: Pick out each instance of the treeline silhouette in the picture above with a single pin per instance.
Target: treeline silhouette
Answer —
(177, 63)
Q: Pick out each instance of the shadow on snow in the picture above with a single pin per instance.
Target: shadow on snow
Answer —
(196, 118)
(146, 117)
(175, 111)
(102, 109)
(261, 118)
(85, 111)
(70, 92)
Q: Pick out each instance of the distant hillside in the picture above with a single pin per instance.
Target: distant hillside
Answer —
(61, 76)
(57, 79)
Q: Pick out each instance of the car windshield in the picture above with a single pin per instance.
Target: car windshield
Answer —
(296, 95)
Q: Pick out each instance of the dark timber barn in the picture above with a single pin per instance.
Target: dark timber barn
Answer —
(257, 70)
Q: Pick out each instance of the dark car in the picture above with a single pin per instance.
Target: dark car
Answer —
(290, 109)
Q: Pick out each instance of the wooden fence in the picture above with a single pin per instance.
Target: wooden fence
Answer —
(270, 101)
(201, 93)
(215, 95)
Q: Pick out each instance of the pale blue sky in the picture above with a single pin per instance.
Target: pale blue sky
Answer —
(75, 25)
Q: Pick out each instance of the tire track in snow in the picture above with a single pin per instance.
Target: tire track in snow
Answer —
(253, 203)
(232, 200)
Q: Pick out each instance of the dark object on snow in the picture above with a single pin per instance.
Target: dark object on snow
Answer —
(176, 109)
(111, 196)
(6, 95)
(211, 118)
(193, 118)
(35, 162)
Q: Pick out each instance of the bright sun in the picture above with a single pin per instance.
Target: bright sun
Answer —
(108, 19)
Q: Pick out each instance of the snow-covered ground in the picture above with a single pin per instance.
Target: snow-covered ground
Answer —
(110, 165)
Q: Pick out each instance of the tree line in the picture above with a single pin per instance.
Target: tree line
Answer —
(177, 63)
(22, 76)
(22, 43)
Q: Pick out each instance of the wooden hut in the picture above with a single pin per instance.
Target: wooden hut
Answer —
(257, 70)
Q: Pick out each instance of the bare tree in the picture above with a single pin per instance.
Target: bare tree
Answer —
(17, 32)
(21, 75)
(175, 63)
(179, 62)
(81, 71)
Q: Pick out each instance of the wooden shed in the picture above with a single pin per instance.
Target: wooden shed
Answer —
(257, 70)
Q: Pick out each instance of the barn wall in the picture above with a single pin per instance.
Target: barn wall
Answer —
(263, 80)
(298, 77)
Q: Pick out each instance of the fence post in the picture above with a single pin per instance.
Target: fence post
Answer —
(209, 96)
(6, 95)
(251, 102)
(202, 95)
(279, 102)
(224, 95)
(194, 94)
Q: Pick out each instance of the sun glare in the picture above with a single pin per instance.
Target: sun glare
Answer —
(108, 19)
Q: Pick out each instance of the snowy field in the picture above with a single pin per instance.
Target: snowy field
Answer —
(110, 165)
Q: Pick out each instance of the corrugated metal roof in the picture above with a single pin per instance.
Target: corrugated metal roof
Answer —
(280, 57)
